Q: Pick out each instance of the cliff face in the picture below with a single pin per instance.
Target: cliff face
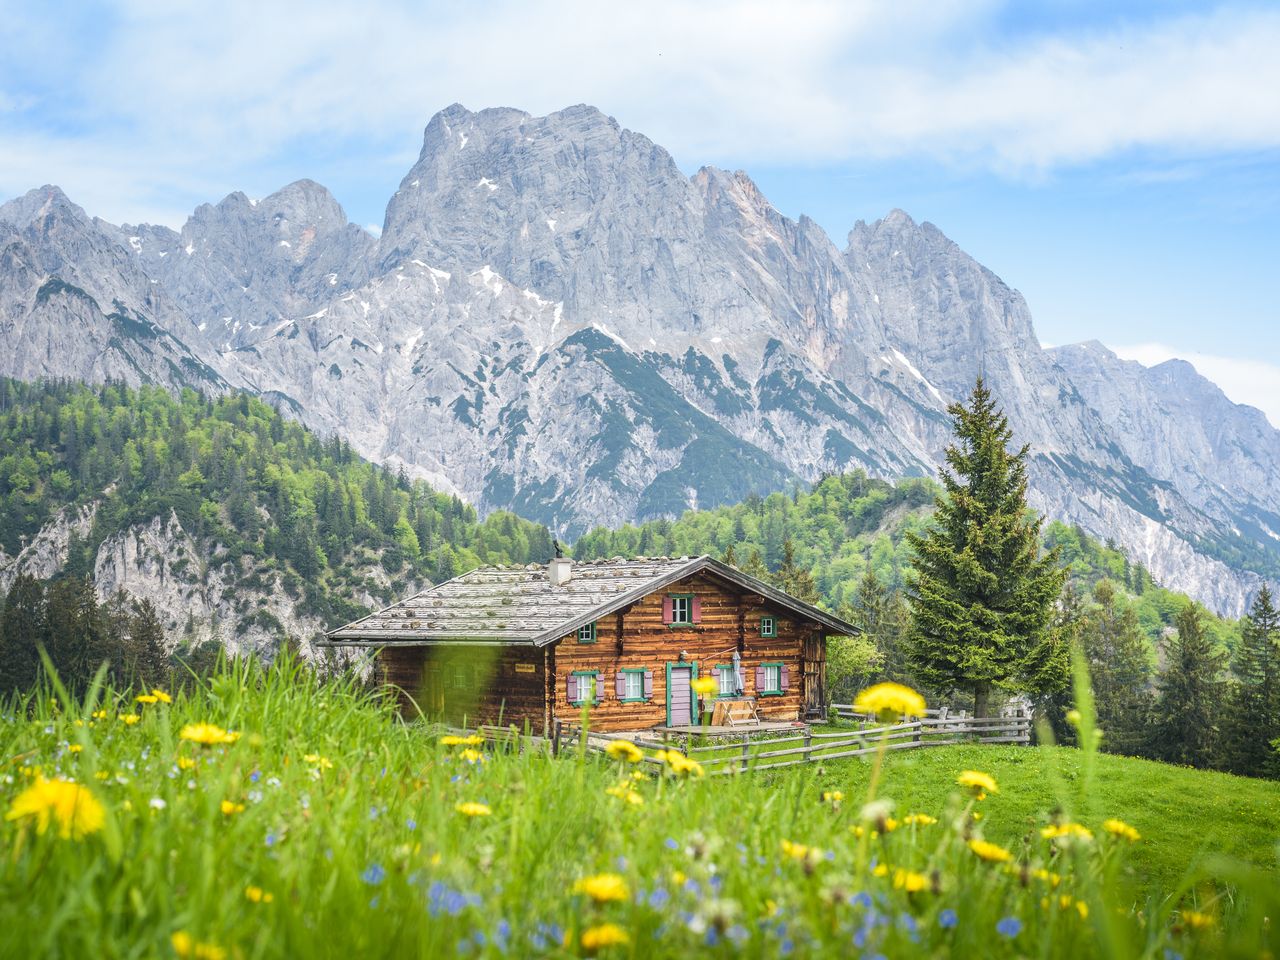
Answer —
(556, 320)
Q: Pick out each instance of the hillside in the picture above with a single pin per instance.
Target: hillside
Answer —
(307, 822)
(239, 525)
(556, 320)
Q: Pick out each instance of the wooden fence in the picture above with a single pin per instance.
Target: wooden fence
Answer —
(740, 753)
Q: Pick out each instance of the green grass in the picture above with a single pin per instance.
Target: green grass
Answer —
(371, 857)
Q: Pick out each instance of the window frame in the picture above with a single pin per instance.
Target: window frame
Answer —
(733, 680)
(592, 635)
(638, 672)
(688, 604)
(772, 631)
(775, 691)
(599, 691)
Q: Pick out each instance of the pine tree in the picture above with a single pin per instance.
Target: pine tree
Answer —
(1253, 719)
(755, 566)
(1189, 702)
(730, 558)
(1120, 669)
(793, 578)
(23, 631)
(981, 592)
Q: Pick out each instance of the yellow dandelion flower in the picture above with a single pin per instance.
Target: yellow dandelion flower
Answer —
(880, 870)
(918, 820)
(832, 797)
(1118, 828)
(72, 808)
(888, 701)
(146, 698)
(1066, 831)
(800, 851)
(185, 763)
(603, 887)
(639, 775)
(74, 748)
(99, 715)
(229, 807)
(1048, 876)
(473, 809)
(680, 765)
(452, 740)
(909, 881)
(604, 935)
(471, 756)
(1195, 920)
(162, 696)
(624, 792)
(624, 750)
(185, 945)
(317, 761)
(705, 686)
(978, 782)
(257, 895)
(678, 878)
(129, 719)
(991, 852)
(207, 734)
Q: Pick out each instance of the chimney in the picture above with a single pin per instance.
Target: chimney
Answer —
(560, 571)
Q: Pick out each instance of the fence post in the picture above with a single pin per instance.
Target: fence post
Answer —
(555, 738)
(746, 751)
(919, 732)
(808, 744)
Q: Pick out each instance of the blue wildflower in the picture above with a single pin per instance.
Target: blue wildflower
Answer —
(411, 824)
(671, 844)
(862, 899)
(374, 874)
(659, 898)
(1009, 927)
(947, 919)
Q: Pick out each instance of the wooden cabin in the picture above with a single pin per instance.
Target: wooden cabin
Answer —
(624, 638)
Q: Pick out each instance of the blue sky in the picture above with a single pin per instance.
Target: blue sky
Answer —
(1118, 163)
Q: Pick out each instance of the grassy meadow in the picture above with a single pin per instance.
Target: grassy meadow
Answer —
(312, 823)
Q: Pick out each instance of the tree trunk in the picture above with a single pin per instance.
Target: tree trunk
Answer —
(981, 693)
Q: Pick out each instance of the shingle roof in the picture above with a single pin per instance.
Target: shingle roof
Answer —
(518, 605)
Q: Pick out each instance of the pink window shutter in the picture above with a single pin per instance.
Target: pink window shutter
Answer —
(571, 687)
(648, 684)
(786, 677)
(667, 615)
(620, 685)
(759, 679)
(697, 609)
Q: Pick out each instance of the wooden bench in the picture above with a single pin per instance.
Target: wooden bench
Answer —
(737, 712)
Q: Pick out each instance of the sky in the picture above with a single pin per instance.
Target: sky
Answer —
(1118, 163)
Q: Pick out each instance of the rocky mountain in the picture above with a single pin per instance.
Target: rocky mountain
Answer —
(557, 320)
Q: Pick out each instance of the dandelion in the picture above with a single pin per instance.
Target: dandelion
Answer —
(624, 792)
(909, 881)
(472, 809)
(705, 686)
(129, 719)
(229, 807)
(833, 797)
(185, 945)
(1194, 920)
(472, 756)
(99, 715)
(603, 887)
(207, 734)
(1066, 831)
(978, 782)
(1118, 828)
(146, 698)
(889, 701)
(257, 895)
(72, 808)
(625, 751)
(161, 696)
(74, 748)
(680, 765)
(317, 761)
(990, 852)
(452, 740)
(805, 854)
(918, 820)
(604, 935)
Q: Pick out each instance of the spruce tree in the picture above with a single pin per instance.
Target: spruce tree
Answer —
(1253, 719)
(793, 578)
(981, 591)
(1190, 702)
(23, 631)
(1120, 669)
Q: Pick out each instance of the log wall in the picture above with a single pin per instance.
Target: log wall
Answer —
(471, 685)
(638, 638)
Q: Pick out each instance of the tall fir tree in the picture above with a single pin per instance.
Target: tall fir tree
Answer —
(982, 592)
(793, 578)
(1253, 720)
(23, 632)
(1120, 669)
(1189, 703)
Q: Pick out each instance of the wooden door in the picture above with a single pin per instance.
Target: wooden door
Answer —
(679, 695)
(815, 674)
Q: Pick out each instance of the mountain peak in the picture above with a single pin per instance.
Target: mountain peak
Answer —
(34, 204)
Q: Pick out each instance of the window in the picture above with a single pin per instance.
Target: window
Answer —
(632, 686)
(587, 634)
(682, 608)
(772, 674)
(728, 680)
(588, 687)
(768, 627)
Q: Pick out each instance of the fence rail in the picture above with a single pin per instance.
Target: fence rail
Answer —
(739, 753)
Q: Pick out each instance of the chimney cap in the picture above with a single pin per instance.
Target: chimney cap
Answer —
(559, 571)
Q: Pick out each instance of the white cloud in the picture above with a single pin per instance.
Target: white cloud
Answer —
(1254, 382)
(180, 91)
